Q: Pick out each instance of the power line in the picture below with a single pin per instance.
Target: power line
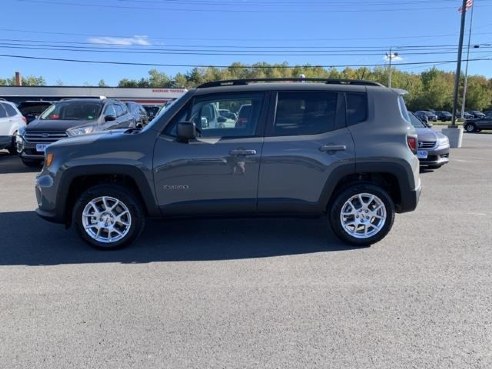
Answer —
(341, 9)
(228, 66)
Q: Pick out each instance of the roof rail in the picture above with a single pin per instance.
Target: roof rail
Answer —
(331, 81)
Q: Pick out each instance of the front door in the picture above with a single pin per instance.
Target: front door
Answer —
(216, 173)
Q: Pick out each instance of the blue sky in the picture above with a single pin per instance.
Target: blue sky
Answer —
(133, 36)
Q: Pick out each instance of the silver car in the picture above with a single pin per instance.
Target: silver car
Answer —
(433, 146)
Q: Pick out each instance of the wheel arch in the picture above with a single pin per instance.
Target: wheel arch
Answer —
(77, 180)
(393, 178)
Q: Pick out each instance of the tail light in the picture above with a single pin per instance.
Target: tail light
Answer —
(412, 143)
(24, 119)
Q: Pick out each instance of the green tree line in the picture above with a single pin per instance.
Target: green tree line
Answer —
(431, 89)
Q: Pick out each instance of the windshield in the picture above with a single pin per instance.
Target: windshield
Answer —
(416, 122)
(72, 110)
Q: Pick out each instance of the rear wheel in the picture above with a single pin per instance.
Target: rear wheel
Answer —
(362, 214)
(470, 128)
(108, 216)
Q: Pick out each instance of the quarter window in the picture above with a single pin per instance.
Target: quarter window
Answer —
(305, 113)
(356, 107)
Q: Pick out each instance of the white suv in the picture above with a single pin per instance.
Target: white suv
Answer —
(10, 121)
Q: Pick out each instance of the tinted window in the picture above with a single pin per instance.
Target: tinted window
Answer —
(356, 107)
(205, 114)
(305, 113)
(10, 110)
(3, 113)
(72, 110)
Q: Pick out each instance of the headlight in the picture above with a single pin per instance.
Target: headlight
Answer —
(442, 140)
(77, 131)
(22, 131)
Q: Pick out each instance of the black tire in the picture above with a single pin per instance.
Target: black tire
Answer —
(31, 163)
(13, 147)
(12, 150)
(381, 206)
(125, 205)
(470, 128)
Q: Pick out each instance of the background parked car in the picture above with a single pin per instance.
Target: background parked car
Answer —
(70, 117)
(430, 116)
(444, 116)
(32, 109)
(433, 146)
(11, 120)
(477, 114)
(466, 115)
(138, 112)
(476, 125)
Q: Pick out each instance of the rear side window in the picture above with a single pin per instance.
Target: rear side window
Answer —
(356, 107)
(305, 113)
(10, 110)
(3, 113)
(403, 109)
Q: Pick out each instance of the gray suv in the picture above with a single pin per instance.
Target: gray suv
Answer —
(341, 148)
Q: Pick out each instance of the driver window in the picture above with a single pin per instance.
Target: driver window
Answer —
(222, 116)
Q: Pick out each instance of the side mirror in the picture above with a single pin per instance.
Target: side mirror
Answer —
(186, 131)
(109, 118)
(429, 124)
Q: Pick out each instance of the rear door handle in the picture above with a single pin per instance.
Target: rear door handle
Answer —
(327, 148)
(239, 152)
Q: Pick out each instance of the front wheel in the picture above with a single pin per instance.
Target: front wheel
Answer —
(362, 214)
(13, 147)
(108, 217)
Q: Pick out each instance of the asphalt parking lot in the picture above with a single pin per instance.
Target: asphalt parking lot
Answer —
(266, 293)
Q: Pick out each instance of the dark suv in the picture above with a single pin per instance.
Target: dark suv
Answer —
(344, 148)
(71, 117)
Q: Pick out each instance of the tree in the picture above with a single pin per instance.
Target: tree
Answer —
(102, 83)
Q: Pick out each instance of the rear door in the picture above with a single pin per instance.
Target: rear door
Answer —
(307, 139)
(216, 173)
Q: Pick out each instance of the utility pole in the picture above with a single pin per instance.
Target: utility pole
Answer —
(390, 57)
(466, 67)
(458, 64)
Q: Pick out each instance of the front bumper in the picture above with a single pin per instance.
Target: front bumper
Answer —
(435, 157)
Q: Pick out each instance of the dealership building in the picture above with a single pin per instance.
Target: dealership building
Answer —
(145, 96)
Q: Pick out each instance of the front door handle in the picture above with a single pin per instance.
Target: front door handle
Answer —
(328, 148)
(242, 152)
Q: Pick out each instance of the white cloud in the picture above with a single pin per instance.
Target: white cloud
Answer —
(121, 41)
